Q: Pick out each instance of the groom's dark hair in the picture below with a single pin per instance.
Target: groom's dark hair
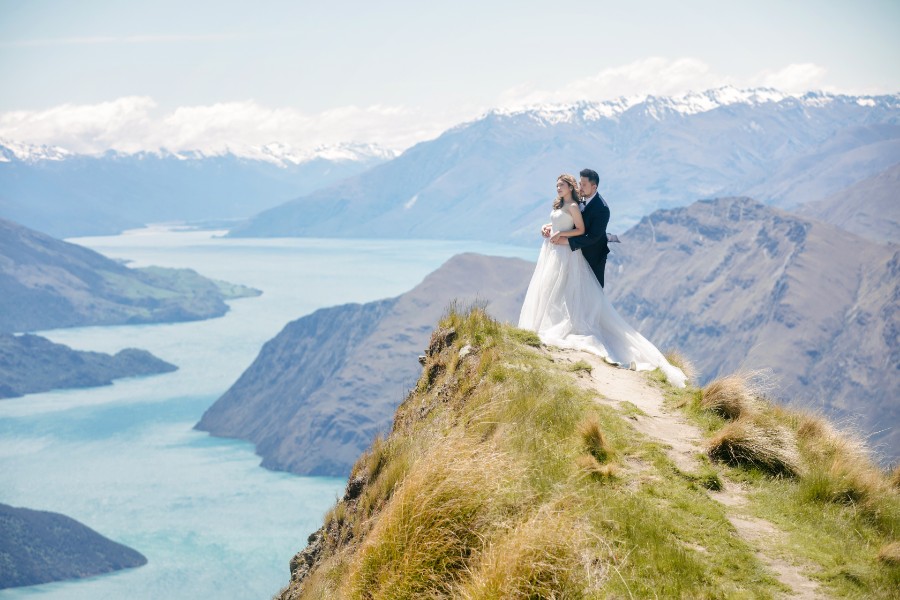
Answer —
(591, 176)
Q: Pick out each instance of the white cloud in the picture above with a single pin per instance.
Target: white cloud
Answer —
(136, 123)
(658, 76)
(796, 78)
(82, 128)
(133, 123)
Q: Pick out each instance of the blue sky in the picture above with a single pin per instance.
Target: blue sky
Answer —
(94, 74)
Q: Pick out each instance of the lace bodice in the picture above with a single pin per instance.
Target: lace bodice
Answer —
(561, 220)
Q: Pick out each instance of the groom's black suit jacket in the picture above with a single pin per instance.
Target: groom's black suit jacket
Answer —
(592, 242)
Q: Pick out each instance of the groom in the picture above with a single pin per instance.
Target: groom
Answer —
(595, 211)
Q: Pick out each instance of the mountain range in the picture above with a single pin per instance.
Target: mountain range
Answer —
(67, 195)
(493, 178)
(46, 283)
(328, 383)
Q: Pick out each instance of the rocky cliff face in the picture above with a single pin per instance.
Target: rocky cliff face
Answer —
(738, 285)
(46, 283)
(39, 546)
(322, 389)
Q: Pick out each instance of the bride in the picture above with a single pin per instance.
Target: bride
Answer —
(567, 307)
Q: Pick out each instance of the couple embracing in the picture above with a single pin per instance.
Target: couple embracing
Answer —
(565, 302)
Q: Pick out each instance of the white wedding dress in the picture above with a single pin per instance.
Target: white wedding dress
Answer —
(568, 308)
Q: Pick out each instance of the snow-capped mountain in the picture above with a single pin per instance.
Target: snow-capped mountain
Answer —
(66, 194)
(284, 155)
(10, 151)
(276, 153)
(493, 178)
(689, 103)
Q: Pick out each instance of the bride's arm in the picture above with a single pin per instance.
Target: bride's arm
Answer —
(579, 224)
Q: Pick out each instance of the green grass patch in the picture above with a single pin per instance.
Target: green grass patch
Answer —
(581, 367)
(631, 410)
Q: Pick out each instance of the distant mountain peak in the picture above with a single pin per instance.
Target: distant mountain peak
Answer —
(688, 103)
(23, 151)
(279, 153)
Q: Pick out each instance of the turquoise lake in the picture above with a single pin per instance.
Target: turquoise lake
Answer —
(125, 460)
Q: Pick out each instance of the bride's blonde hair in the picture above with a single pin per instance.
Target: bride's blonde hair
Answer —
(569, 179)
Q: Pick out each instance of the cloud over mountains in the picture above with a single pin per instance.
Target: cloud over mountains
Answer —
(138, 123)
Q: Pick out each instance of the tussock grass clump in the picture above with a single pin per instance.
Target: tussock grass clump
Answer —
(472, 323)
(843, 480)
(841, 468)
(594, 439)
(842, 472)
(895, 476)
(771, 448)
(581, 366)
(890, 554)
(525, 336)
(437, 516)
(592, 467)
(732, 396)
(677, 359)
(540, 558)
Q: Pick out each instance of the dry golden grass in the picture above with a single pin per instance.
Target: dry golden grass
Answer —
(895, 476)
(437, 515)
(890, 553)
(591, 466)
(770, 447)
(539, 558)
(841, 468)
(594, 439)
(678, 359)
(731, 396)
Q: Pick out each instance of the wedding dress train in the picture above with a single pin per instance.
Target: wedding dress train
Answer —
(568, 308)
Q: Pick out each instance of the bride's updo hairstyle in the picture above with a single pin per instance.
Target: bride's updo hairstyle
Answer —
(570, 180)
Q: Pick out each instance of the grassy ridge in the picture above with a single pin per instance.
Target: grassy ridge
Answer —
(502, 479)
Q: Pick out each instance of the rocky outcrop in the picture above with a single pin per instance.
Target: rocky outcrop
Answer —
(39, 547)
(323, 388)
(30, 364)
